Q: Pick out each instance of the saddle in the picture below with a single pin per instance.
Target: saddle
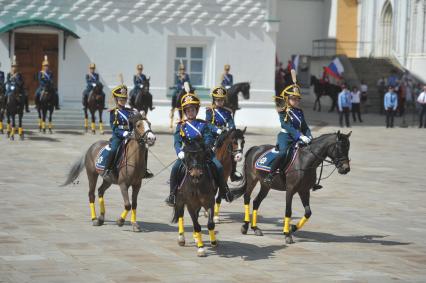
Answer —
(265, 160)
(119, 158)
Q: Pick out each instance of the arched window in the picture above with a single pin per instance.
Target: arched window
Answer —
(386, 20)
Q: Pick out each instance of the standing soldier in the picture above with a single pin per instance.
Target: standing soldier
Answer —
(390, 105)
(45, 77)
(92, 80)
(227, 79)
(16, 78)
(422, 100)
(344, 105)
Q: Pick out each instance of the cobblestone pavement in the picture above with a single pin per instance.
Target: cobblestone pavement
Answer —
(368, 225)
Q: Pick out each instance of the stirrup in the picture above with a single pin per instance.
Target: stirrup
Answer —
(148, 174)
(270, 177)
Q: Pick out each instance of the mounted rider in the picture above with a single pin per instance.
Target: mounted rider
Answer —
(1, 79)
(227, 80)
(180, 79)
(92, 80)
(121, 127)
(221, 117)
(293, 126)
(45, 78)
(139, 80)
(15, 78)
(187, 131)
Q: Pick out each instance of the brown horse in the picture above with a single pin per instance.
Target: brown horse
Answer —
(130, 172)
(300, 178)
(95, 102)
(229, 148)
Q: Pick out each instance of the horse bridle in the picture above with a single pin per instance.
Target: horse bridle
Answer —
(336, 161)
(142, 139)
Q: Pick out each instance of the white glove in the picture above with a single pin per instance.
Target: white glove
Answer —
(141, 86)
(181, 155)
(219, 131)
(227, 87)
(125, 134)
(305, 139)
(93, 84)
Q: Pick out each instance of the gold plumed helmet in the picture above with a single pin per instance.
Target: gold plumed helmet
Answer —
(92, 66)
(14, 62)
(219, 92)
(139, 67)
(189, 99)
(227, 67)
(120, 91)
(291, 90)
(45, 61)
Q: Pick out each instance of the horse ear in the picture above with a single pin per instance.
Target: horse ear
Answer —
(349, 134)
(338, 135)
(244, 131)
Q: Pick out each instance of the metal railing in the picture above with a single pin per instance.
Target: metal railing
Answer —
(332, 47)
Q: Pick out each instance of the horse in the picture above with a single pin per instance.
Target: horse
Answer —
(229, 147)
(14, 106)
(95, 102)
(300, 178)
(325, 88)
(197, 190)
(232, 97)
(142, 99)
(129, 173)
(46, 103)
(2, 106)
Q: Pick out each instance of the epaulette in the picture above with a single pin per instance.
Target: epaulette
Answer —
(112, 109)
(201, 120)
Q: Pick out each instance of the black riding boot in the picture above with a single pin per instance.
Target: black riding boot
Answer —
(148, 173)
(171, 199)
(235, 176)
(224, 191)
(274, 169)
(27, 108)
(57, 102)
(108, 165)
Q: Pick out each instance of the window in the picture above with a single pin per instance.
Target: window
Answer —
(192, 58)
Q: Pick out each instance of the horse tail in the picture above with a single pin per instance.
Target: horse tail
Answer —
(75, 171)
(179, 206)
(241, 189)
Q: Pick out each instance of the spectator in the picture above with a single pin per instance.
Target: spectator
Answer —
(390, 104)
(381, 89)
(364, 90)
(344, 105)
(392, 79)
(421, 99)
(356, 109)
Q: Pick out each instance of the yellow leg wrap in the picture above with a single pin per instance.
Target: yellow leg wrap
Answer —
(101, 127)
(13, 132)
(254, 219)
(246, 213)
(92, 211)
(216, 209)
(181, 227)
(212, 236)
(133, 216)
(287, 221)
(8, 127)
(124, 214)
(102, 205)
(39, 123)
(200, 243)
(86, 123)
(194, 235)
(43, 125)
(20, 131)
(50, 125)
(301, 222)
(1, 126)
(93, 126)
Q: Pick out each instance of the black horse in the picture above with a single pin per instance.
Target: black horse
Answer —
(2, 106)
(232, 97)
(300, 178)
(197, 190)
(95, 102)
(176, 103)
(322, 89)
(46, 103)
(141, 98)
(14, 106)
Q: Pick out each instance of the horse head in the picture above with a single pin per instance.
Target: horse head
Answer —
(146, 84)
(339, 153)
(195, 160)
(142, 129)
(245, 90)
(238, 142)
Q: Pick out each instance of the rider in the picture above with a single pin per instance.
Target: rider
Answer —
(45, 77)
(139, 80)
(181, 78)
(92, 79)
(190, 130)
(293, 127)
(221, 117)
(1, 78)
(14, 77)
(227, 79)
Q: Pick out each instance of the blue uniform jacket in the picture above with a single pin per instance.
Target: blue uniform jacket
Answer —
(16, 79)
(139, 80)
(45, 78)
(190, 131)
(390, 100)
(119, 121)
(220, 117)
(227, 80)
(180, 82)
(91, 79)
(295, 125)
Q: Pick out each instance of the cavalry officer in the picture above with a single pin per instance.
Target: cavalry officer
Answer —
(45, 78)
(14, 77)
(139, 80)
(189, 130)
(344, 102)
(390, 104)
(181, 78)
(293, 128)
(92, 79)
(227, 79)
(221, 117)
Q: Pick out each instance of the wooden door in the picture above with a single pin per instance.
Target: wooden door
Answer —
(30, 49)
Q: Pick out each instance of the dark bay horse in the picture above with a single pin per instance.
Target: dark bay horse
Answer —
(142, 99)
(95, 102)
(325, 89)
(46, 103)
(229, 149)
(14, 106)
(176, 102)
(300, 178)
(130, 172)
(197, 190)
(2, 106)
(232, 97)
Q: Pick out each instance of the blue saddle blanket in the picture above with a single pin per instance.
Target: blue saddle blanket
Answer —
(101, 158)
(264, 161)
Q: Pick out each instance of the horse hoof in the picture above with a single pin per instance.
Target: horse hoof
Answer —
(289, 240)
(93, 132)
(50, 131)
(120, 222)
(12, 138)
(21, 137)
(201, 252)
(181, 240)
(244, 229)
(101, 220)
(293, 228)
(136, 227)
(258, 232)
(44, 131)
(216, 219)
(214, 244)
(95, 222)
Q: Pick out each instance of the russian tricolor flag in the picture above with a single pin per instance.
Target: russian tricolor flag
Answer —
(335, 69)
